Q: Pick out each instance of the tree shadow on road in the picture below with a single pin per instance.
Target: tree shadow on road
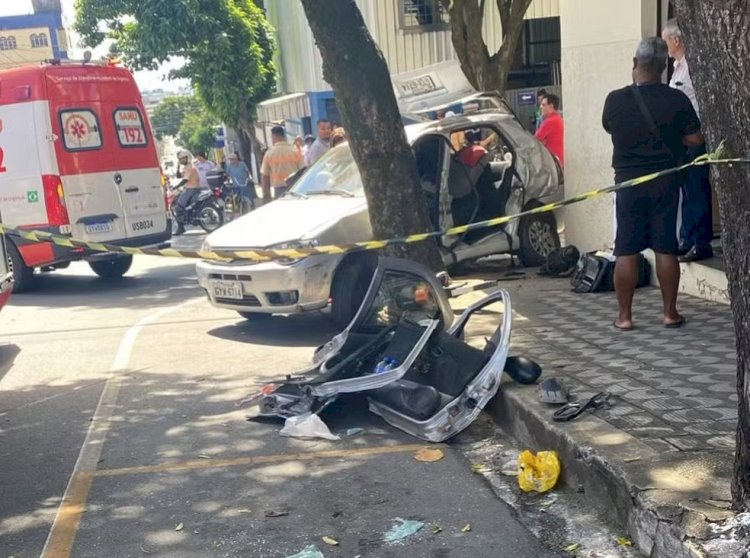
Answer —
(280, 331)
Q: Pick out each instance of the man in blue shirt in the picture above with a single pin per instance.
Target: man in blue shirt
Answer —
(242, 184)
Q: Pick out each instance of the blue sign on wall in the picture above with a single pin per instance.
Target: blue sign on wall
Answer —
(526, 98)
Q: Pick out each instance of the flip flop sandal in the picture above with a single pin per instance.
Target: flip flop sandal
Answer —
(572, 410)
(621, 328)
(679, 323)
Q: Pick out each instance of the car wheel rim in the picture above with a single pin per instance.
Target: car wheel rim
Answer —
(541, 237)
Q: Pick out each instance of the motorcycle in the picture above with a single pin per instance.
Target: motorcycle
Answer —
(205, 211)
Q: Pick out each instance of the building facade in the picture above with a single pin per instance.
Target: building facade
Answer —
(411, 34)
(26, 39)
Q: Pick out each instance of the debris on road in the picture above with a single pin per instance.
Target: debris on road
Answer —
(308, 425)
(466, 528)
(274, 513)
(572, 547)
(350, 432)
(330, 541)
(622, 541)
(310, 551)
(436, 529)
(430, 382)
(180, 527)
(428, 455)
(538, 472)
(405, 528)
(479, 468)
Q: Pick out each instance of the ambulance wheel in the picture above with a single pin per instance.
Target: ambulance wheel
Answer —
(111, 269)
(23, 275)
(538, 237)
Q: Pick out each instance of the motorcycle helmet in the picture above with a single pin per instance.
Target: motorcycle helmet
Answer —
(184, 154)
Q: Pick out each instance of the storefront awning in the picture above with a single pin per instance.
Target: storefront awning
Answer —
(296, 105)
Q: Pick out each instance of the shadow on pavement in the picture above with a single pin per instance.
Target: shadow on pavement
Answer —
(282, 331)
(8, 354)
(139, 289)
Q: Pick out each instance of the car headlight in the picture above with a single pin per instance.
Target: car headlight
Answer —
(293, 245)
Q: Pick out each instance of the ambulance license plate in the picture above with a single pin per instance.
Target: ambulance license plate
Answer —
(227, 289)
(99, 227)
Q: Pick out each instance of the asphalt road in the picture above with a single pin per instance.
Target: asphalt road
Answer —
(122, 397)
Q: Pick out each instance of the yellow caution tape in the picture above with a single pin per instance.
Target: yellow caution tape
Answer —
(260, 255)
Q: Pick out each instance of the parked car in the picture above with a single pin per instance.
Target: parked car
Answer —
(327, 206)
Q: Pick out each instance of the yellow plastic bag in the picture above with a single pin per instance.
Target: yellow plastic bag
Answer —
(538, 472)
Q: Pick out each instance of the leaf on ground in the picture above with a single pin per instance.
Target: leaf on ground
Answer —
(180, 527)
(428, 455)
(436, 530)
(631, 459)
(244, 510)
(479, 468)
(274, 513)
(330, 541)
(622, 541)
(572, 547)
(466, 528)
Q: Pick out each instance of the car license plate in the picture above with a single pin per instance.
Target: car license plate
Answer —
(99, 227)
(227, 289)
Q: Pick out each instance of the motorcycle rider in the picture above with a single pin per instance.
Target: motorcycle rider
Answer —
(192, 181)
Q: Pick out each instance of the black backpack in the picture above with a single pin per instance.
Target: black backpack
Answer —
(595, 273)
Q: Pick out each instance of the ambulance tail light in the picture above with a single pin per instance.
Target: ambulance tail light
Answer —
(54, 199)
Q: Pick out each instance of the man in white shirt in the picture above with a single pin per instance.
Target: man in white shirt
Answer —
(696, 232)
(322, 144)
(203, 166)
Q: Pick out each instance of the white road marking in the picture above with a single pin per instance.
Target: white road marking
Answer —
(60, 540)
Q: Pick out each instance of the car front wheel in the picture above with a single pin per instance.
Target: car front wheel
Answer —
(23, 275)
(538, 237)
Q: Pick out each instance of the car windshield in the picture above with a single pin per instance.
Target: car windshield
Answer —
(335, 173)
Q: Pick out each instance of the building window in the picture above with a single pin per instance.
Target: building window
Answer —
(39, 41)
(8, 43)
(422, 15)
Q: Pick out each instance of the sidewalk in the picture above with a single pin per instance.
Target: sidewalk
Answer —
(661, 459)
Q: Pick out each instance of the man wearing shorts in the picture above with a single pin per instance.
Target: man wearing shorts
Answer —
(650, 124)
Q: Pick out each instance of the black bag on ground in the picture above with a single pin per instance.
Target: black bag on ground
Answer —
(596, 273)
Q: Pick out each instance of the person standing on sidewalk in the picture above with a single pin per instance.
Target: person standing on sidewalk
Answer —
(321, 144)
(697, 220)
(650, 124)
(282, 160)
(552, 131)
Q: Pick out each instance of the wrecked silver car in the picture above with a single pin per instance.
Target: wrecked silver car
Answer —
(404, 351)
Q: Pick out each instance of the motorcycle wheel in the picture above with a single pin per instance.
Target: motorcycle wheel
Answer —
(211, 217)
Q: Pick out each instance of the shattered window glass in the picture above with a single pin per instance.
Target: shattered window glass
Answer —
(402, 295)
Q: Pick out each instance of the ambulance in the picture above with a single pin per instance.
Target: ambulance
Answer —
(78, 159)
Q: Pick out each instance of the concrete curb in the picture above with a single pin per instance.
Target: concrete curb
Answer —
(666, 510)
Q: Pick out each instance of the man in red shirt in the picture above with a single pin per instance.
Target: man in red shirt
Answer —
(551, 132)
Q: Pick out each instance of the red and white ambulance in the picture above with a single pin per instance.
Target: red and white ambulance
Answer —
(77, 158)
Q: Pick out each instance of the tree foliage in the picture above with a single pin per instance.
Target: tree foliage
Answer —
(197, 133)
(170, 113)
(485, 71)
(227, 46)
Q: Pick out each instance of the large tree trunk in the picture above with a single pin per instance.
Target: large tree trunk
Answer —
(484, 71)
(354, 66)
(717, 35)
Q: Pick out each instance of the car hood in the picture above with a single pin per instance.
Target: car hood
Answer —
(286, 220)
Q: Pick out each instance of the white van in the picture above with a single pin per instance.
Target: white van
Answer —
(77, 158)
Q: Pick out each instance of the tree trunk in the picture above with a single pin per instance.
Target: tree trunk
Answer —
(354, 66)
(484, 71)
(717, 36)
